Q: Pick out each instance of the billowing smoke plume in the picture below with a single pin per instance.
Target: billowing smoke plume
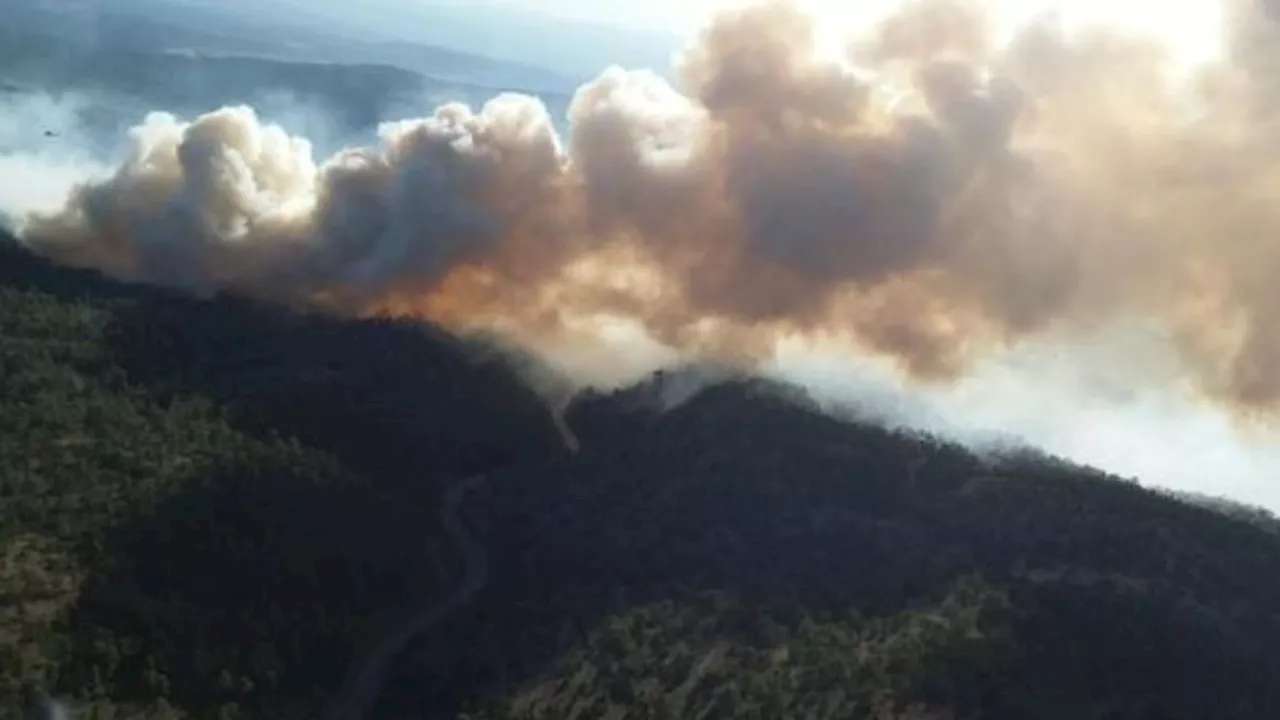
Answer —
(934, 197)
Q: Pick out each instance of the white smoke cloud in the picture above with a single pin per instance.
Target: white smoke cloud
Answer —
(1006, 224)
(1072, 401)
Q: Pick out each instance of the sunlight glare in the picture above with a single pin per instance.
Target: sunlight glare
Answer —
(1190, 29)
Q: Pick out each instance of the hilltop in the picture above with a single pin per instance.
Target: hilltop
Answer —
(123, 83)
(107, 67)
(212, 508)
(40, 30)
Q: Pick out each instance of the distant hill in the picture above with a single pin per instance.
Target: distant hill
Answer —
(119, 84)
(353, 95)
(510, 32)
(209, 508)
(261, 29)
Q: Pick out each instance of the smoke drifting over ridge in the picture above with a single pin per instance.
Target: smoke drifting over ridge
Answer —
(947, 199)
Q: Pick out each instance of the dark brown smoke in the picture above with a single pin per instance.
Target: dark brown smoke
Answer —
(934, 198)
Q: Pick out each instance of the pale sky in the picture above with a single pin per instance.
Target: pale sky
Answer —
(671, 15)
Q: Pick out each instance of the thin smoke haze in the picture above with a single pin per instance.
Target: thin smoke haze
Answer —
(939, 198)
(40, 170)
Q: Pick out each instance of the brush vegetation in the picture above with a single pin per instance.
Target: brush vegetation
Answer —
(209, 508)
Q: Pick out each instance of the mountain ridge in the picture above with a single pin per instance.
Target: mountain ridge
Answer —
(210, 505)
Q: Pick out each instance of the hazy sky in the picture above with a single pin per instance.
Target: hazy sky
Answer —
(671, 15)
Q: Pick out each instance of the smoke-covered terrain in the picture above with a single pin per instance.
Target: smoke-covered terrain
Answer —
(213, 509)
(108, 67)
(280, 369)
(955, 212)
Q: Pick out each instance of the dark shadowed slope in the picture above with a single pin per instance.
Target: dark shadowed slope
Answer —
(208, 509)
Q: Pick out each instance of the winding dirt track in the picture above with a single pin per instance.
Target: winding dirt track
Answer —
(361, 689)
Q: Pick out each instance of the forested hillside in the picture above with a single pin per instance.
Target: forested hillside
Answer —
(213, 509)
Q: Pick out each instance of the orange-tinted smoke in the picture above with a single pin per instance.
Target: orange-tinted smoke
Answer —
(933, 197)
